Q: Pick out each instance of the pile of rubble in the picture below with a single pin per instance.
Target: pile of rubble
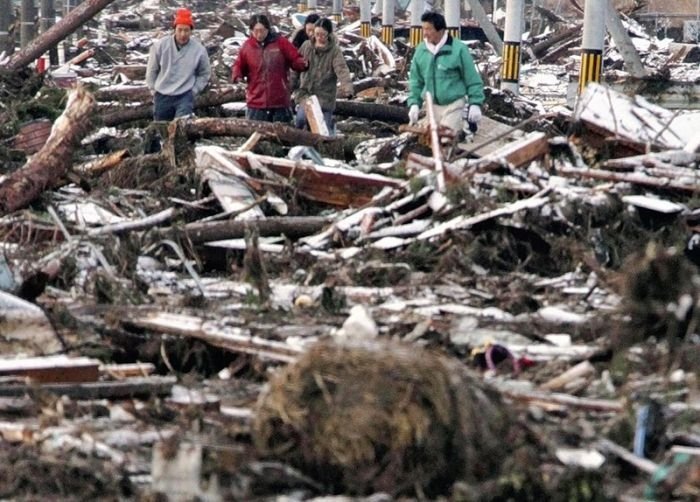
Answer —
(217, 308)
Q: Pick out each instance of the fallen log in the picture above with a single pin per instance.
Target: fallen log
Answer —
(67, 25)
(275, 131)
(211, 98)
(50, 163)
(290, 226)
(371, 111)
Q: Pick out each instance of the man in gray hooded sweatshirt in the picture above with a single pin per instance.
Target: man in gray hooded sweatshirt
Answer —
(178, 70)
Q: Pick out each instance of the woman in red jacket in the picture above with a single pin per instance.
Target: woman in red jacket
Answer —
(265, 60)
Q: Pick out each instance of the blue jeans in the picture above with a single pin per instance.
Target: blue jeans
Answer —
(269, 114)
(301, 123)
(170, 107)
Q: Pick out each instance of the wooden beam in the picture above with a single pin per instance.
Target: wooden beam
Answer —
(52, 368)
(131, 387)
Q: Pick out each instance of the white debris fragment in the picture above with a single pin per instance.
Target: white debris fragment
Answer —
(358, 326)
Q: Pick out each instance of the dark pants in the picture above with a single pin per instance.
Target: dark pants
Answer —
(170, 107)
(301, 123)
(269, 114)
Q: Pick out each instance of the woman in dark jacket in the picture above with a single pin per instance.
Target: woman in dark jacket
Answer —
(326, 67)
(305, 32)
(265, 60)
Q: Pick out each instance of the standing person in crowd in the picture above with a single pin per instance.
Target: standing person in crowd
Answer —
(265, 60)
(444, 67)
(178, 70)
(326, 67)
(306, 32)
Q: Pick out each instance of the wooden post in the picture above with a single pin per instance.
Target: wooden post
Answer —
(435, 142)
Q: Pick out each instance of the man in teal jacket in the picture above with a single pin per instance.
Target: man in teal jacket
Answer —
(444, 67)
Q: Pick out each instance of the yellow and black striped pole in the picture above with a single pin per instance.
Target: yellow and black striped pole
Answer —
(301, 6)
(512, 34)
(594, 15)
(415, 34)
(452, 18)
(337, 14)
(365, 19)
(388, 22)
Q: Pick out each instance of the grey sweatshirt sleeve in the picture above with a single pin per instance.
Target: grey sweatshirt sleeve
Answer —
(153, 67)
(202, 72)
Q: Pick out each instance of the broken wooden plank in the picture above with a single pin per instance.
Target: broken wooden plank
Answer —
(293, 227)
(229, 338)
(314, 116)
(59, 368)
(435, 143)
(131, 387)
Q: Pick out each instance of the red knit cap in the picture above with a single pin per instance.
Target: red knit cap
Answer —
(183, 16)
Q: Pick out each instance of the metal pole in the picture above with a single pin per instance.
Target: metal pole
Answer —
(365, 19)
(594, 15)
(337, 13)
(5, 22)
(388, 22)
(415, 35)
(452, 15)
(26, 30)
(512, 35)
(46, 21)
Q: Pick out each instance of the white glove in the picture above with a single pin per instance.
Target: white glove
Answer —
(472, 114)
(413, 114)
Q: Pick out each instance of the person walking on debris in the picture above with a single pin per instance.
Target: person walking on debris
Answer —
(306, 32)
(178, 70)
(444, 67)
(327, 66)
(265, 60)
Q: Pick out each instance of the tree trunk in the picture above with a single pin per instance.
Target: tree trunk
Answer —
(211, 98)
(51, 162)
(294, 227)
(82, 13)
(272, 131)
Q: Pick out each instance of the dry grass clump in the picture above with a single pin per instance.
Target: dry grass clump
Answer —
(380, 416)
(659, 296)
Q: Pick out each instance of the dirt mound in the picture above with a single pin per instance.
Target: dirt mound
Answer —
(382, 417)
